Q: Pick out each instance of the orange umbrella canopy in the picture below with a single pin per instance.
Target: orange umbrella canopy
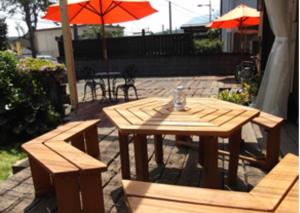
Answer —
(101, 11)
(240, 16)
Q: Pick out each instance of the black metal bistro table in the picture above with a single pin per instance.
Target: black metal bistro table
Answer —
(109, 76)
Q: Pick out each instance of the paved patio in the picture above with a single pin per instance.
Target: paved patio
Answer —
(181, 168)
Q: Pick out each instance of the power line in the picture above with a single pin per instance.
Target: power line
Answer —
(183, 8)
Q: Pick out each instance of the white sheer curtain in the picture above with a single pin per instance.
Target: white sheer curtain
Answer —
(276, 83)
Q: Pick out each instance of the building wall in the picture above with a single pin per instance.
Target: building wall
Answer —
(227, 35)
(46, 43)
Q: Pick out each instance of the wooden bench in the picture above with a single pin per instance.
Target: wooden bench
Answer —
(271, 124)
(82, 134)
(276, 192)
(73, 174)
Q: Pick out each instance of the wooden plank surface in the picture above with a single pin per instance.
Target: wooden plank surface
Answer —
(49, 159)
(203, 115)
(290, 203)
(278, 182)
(192, 195)
(84, 162)
(78, 129)
(268, 120)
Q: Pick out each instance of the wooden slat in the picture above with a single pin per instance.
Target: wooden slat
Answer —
(76, 130)
(147, 205)
(193, 195)
(240, 120)
(115, 117)
(290, 202)
(49, 159)
(84, 162)
(55, 132)
(267, 120)
(278, 182)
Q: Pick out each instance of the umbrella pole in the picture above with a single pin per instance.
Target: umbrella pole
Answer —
(69, 57)
(104, 48)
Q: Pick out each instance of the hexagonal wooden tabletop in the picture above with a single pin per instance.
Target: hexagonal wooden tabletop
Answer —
(202, 116)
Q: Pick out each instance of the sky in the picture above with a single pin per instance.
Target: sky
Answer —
(182, 12)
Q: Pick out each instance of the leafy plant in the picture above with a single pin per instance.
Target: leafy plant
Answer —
(208, 45)
(30, 64)
(242, 96)
(25, 109)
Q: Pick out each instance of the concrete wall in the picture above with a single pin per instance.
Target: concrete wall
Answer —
(221, 64)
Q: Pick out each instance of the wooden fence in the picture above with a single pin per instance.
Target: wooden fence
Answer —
(134, 47)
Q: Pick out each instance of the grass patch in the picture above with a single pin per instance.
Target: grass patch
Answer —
(8, 156)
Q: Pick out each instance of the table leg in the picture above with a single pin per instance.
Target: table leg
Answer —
(211, 177)
(141, 157)
(108, 84)
(201, 152)
(234, 149)
(124, 155)
(273, 147)
(159, 155)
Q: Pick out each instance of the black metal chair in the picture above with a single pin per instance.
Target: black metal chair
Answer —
(90, 81)
(128, 74)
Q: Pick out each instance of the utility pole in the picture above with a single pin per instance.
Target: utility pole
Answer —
(170, 17)
(209, 7)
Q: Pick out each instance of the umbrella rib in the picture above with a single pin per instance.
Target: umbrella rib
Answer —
(79, 11)
(91, 8)
(127, 11)
(110, 7)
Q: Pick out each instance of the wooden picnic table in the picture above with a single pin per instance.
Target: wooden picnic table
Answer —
(207, 118)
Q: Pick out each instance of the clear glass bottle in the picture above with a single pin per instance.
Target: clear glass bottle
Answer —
(179, 99)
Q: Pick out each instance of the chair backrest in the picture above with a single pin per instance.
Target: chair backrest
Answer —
(88, 73)
(129, 74)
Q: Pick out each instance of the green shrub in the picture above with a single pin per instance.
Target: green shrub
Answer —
(50, 75)
(30, 64)
(204, 46)
(25, 110)
(239, 96)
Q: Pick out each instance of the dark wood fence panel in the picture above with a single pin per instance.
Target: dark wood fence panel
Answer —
(135, 46)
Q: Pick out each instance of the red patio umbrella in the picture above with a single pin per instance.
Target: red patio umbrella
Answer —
(102, 12)
(241, 16)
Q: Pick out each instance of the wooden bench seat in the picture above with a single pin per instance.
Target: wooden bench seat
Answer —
(82, 134)
(272, 125)
(277, 192)
(50, 169)
(73, 173)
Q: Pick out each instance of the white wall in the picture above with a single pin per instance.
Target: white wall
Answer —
(46, 43)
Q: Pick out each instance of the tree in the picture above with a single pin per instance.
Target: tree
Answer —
(30, 9)
(3, 32)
